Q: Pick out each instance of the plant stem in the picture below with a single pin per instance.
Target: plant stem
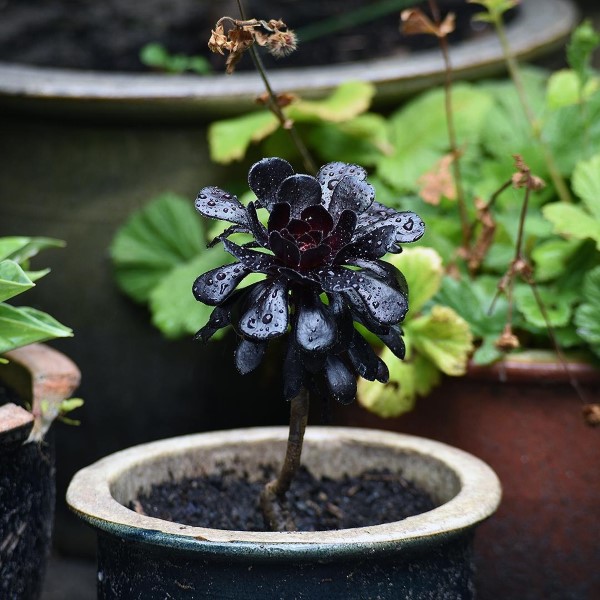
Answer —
(285, 123)
(272, 498)
(557, 179)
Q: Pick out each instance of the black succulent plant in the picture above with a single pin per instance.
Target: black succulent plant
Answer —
(324, 239)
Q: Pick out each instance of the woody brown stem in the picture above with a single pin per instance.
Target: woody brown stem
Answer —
(274, 107)
(272, 498)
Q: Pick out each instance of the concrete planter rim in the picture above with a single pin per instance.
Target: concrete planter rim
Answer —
(89, 495)
(543, 24)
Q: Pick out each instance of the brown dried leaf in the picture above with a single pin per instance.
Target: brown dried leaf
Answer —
(438, 182)
(218, 41)
(486, 235)
(414, 21)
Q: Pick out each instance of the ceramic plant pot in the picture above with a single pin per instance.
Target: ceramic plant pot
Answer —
(425, 556)
(27, 489)
(523, 418)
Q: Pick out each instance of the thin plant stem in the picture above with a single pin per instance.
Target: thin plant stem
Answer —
(285, 123)
(513, 68)
(272, 498)
(460, 195)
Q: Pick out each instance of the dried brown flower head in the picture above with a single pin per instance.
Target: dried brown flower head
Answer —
(508, 340)
(273, 35)
(591, 414)
(523, 177)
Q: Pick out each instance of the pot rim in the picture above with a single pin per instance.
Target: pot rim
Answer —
(89, 496)
(543, 25)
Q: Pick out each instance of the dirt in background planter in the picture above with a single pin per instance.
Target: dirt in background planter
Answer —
(108, 36)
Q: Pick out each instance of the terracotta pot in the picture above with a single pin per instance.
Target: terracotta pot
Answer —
(425, 556)
(27, 488)
(525, 421)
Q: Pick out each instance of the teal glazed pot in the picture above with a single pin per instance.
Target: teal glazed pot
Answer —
(425, 556)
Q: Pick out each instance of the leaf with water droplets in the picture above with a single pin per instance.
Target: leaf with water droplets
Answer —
(300, 192)
(215, 203)
(315, 328)
(219, 318)
(393, 340)
(215, 286)
(342, 232)
(265, 177)
(267, 315)
(408, 225)
(258, 262)
(256, 227)
(248, 355)
(351, 194)
(314, 257)
(340, 380)
(284, 249)
(331, 174)
(363, 358)
(370, 245)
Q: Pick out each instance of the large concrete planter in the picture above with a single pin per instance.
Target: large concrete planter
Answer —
(425, 556)
(27, 468)
(524, 419)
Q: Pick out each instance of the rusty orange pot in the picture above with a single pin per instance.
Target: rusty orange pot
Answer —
(523, 419)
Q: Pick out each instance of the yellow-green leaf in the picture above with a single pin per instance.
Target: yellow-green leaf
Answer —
(229, 139)
(423, 270)
(347, 101)
(444, 338)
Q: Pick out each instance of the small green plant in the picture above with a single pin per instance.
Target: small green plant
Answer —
(157, 57)
(21, 325)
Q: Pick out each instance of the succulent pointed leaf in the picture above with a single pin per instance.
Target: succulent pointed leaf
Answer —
(315, 327)
(215, 286)
(258, 262)
(330, 175)
(408, 226)
(248, 355)
(265, 177)
(340, 380)
(215, 203)
(267, 315)
(351, 194)
(300, 192)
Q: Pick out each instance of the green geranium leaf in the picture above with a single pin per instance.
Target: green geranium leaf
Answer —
(551, 257)
(229, 139)
(161, 236)
(21, 249)
(472, 301)
(174, 309)
(347, 101)
(419, 134)
(444, 338)
(586, 184)
(565, 89)
(558, 305)
(21, 326)
(13, 280)
(587, 315)
(572, 221)
(362, 140)
(487, 353)
(423, 270)
(408, 379)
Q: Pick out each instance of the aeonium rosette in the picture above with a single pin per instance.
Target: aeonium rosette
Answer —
(321, 256)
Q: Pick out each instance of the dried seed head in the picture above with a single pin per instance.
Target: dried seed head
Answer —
(591, 414)
(523, 177)
(508, 340)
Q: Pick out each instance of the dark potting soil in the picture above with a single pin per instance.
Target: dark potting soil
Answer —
(108, 36)
(227, 501)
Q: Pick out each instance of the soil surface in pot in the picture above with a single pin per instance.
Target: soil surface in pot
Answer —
(108, 36)
(227, 501)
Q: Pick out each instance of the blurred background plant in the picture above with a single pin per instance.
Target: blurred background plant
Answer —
(448, 155)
